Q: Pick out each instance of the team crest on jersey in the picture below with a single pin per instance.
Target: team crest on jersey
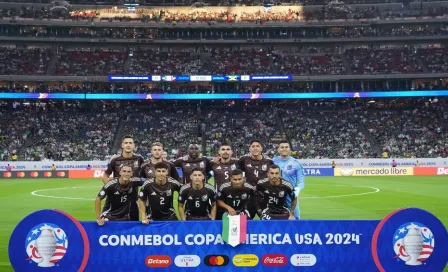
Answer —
(244, 196)
(289, 167)
(233, 167)
(281, 194)
(169, 193)
(136, 164)
(264, 167)
(46, 244)
(204, 197)
(202, 164)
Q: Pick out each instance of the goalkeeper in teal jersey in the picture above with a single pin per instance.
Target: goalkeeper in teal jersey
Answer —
(292, 171)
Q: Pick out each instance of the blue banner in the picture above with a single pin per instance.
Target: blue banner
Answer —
(328, 172)
(220, 96)
(406, 240)
(199, 78)
(41, 96)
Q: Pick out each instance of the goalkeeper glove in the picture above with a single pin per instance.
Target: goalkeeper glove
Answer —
(296, 191)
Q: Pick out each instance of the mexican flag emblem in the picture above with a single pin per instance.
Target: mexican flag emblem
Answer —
(234, 229)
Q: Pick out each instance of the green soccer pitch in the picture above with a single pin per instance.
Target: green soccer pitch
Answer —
(323, 198)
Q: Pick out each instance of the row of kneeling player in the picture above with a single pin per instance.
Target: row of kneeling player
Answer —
(197, 200)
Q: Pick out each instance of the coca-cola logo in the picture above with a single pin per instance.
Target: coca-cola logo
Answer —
(274, 260)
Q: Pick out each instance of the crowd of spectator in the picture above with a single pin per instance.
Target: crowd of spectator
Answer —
(158, 62)
(436, 59)
(41, 133)
(317, 64)
(163, 15)
(417, 130)
(244, 61)
(239, 127)
(81, 62)
(71, 135)
(326, 134)
(402, 128)
(397, 60)
(224, 61)
(27, 61)
(174, 127)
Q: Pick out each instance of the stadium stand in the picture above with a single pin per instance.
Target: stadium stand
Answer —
(174, 127)
(331, 48)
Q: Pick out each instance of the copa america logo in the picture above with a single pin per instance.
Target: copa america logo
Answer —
(413, 243)
(46, 244)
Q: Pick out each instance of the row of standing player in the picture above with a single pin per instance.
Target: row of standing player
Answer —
(255, 166)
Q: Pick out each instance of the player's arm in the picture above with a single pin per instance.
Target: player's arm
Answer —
(241, 165)
(300, 185)
(106, 176)
(181, 211)
(142, 197)
(181, 202)
(213, 212)
(101, 195)
(213, 201)
(222, 204)
(258, 195)
(142, 208)
(173, 171)
(293, 208)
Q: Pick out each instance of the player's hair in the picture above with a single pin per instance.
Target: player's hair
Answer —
(125, 165)
(161, 165)
(255, 141)
(157, 144)
(225, 144)
(194, 144)
(284, 142)
(273, 166)
(195, 170)
(127, 137)
(236, 172)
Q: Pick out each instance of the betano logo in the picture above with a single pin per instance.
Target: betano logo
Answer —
(216, 260)
(159, 261)
(245, 260)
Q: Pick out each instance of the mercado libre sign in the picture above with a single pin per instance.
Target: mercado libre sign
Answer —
(408, 239)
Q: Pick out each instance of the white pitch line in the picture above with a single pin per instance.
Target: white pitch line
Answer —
(375, 190)
(35, 193)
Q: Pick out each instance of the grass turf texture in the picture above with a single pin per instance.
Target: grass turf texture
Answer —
(323, 198)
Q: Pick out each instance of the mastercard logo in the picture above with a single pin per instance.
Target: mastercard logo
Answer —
(216, 260)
